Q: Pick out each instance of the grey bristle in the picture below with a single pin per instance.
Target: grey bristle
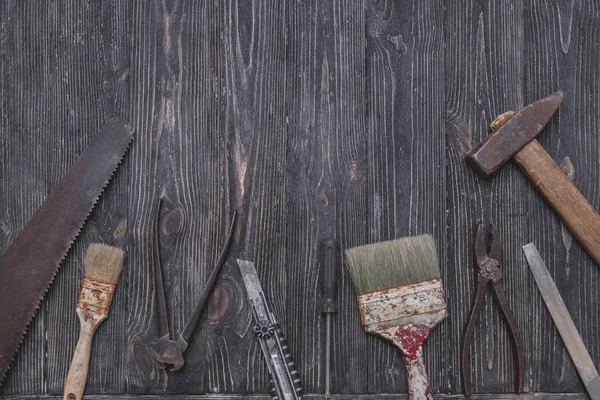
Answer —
(393, 263)
(103, 263)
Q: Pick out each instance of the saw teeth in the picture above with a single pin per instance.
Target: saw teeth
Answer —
(31, 316)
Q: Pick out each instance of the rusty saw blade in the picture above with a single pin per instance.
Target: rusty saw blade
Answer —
(28, 267)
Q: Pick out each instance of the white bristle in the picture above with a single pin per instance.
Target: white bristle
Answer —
(393, 263)
(103, 263)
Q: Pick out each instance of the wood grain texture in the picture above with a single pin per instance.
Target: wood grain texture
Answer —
(560, 49)
(254, 37)
(70, 65)
(406, 148)
(180, 153)
(216, 137)
(581, 219)
(24, 103)
(312, 118)
(86, 99)
(484, 77)
(379, 396)
(325, 183)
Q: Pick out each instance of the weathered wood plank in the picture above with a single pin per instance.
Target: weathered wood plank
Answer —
(324, 183)
(233, 123)
(253, 36)
(152, 113)
(406, 147)
(261, 106)
(26, 156)
(182, 152)
(395, 396)
(208, 179)
(22, 187)
(91, 60)
(561, 53)
(484, 65)
(58, 80)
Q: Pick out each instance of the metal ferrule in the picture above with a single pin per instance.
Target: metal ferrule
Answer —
(95, 296)
(416, 303)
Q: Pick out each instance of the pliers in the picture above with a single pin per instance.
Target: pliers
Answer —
(170, 352)
(488, 253)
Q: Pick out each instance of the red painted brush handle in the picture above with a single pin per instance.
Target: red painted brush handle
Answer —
(410, 339)
(418, 385)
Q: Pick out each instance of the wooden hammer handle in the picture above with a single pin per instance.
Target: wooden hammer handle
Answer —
(568, 202)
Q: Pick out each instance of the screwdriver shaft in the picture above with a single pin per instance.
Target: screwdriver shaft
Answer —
(329, 271)
(328, 323)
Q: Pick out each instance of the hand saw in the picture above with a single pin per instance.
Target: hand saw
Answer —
(28, 267)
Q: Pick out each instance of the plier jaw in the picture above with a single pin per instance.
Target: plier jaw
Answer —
(488, 253)
(170, 354)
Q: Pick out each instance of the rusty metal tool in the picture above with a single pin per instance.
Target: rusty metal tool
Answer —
(564, 323)
(329, 265)
(285, 379)
(513, 135)
(488, 254)
(170, 352)
(28, 267)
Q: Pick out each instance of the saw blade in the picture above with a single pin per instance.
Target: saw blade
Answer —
(28, 267)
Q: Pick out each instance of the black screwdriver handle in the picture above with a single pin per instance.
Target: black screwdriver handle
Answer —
(330, 251)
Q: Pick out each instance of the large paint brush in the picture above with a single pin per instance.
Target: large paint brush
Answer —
(102, 271)
(400, 298)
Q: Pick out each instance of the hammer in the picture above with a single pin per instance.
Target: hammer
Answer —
(513, 135)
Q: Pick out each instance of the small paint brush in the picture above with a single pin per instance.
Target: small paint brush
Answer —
(400, 298)
(103, 266)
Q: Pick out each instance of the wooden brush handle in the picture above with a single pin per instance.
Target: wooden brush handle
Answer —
(78, 372)
(418, 384)
(568, 202)
(410, 341)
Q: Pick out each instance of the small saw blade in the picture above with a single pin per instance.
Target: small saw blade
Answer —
(28, 267)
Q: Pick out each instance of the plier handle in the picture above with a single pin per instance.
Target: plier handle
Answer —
(170, 352)
(488, 254)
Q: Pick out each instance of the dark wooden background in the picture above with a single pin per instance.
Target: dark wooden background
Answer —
(312, 118)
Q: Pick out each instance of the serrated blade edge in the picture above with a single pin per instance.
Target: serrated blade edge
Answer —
(29, 265)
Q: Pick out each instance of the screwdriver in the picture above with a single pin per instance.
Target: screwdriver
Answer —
(329, 261)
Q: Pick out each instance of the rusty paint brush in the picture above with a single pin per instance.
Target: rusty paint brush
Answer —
(102, 271)
(400, 298)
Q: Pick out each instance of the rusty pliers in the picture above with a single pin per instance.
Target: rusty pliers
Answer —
(170, 352)
(488, 253)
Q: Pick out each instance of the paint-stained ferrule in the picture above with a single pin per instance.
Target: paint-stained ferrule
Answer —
(409, 301)
(95, 296)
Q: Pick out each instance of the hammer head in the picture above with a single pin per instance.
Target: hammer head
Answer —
(513, 135)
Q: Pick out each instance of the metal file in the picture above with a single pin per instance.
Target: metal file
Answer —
(564, 323)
